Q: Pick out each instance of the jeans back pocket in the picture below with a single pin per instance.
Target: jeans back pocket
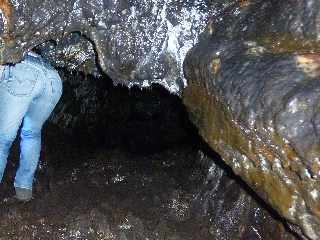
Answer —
(19, 79)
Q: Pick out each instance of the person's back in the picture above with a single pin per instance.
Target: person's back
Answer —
(29, 91)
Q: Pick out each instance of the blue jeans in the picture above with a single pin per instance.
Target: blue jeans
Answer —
(29, 91)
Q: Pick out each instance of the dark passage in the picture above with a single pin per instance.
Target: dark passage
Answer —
(128, 165)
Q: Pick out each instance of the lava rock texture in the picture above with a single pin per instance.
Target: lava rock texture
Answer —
(253, 89)
(235, 212)
(136, 42)
(254, 93)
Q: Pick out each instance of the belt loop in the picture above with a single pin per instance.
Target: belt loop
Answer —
(3, 73)
(10, 72)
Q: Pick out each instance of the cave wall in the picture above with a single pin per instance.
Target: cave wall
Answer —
(254, 94)
(235, 211)
(252, 91)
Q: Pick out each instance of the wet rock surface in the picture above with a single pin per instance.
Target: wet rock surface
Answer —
(96, 193)
(136, 42)
(254, 95)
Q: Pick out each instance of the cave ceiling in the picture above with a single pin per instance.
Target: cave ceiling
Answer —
(133, 42)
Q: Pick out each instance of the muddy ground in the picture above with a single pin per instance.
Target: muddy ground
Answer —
(88, 192)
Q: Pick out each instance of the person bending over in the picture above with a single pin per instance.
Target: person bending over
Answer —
(29, 91)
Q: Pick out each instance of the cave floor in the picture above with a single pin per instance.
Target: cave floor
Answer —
(93, 193)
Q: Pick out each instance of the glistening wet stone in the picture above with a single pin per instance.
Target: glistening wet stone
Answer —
(257, 103)
(134, 42)
(259, 110)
